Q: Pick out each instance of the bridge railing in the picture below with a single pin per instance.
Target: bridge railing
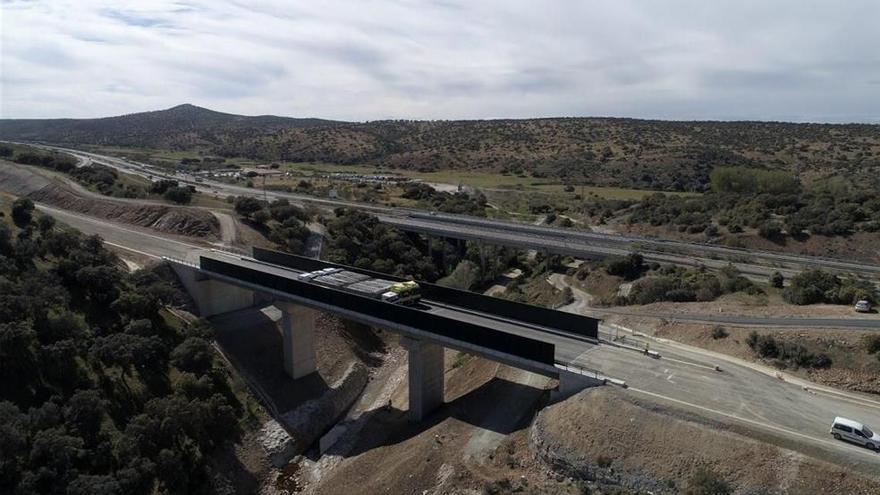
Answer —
(180, 261)
(577, 325)
(466, 332)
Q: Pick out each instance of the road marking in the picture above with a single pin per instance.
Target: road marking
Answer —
(830, 443)
(131, 249)
(857, 400)
(117, 226)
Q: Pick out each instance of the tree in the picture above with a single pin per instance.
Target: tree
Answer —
(246, 206)
(770, 230)
(630, 267)
(777, 280)
(22, 211)
(180, 195)
(160, 186)
(194, 355)
(45, 223)
(85, 411)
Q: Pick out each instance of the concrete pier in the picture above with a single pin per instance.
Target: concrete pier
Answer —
(425, 376)
(298, 331)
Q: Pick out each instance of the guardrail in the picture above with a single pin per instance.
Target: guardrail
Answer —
(577, 325)
(180, 261)
(470, 333)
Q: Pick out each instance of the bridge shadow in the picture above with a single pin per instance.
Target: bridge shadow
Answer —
(498, 405)
(251, 340)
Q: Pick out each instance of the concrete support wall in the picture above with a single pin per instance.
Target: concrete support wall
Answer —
(572, 383)
(298, 331)
(425, 376)
(211, 296)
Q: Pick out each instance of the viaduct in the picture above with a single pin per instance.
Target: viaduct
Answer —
(515, 334)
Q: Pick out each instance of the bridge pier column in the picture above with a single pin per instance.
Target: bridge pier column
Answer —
(298, 332)
(425, 376)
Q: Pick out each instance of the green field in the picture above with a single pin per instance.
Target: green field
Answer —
(474, 179)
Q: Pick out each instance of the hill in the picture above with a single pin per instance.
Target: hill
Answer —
(181, 127)
(652, 154)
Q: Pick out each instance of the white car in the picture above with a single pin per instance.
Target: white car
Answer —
(855, 432)
(863, 306)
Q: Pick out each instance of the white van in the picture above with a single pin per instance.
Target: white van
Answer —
(855, 432)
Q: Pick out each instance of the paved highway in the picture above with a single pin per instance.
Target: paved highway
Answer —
(757, 265)
(742, 395)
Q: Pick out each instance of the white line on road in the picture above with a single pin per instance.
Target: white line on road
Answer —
(829, 443)
(120, 246)
(118, 227)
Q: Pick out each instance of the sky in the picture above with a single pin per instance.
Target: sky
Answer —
(792, 60)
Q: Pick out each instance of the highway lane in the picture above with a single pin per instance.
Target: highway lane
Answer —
(568, 246)
(758, 403)
(648, 243)
(140, 241)
(762, 321)
(739, 395)
(590, 244)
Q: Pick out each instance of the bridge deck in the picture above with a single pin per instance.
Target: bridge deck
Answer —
(520, 334)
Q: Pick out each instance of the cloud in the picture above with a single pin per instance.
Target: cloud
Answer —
(356, 60)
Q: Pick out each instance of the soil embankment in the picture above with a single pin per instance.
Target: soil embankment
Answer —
(193, 222)
(603, 435)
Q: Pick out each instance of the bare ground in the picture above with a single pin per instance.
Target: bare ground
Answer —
(23, 181)
(646, 446)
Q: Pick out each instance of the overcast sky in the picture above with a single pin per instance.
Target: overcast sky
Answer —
(796, 60)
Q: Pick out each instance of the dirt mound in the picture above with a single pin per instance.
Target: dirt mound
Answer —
(603, 434)
(171, 219)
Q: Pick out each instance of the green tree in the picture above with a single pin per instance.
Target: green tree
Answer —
(194, 355)
(777, 280)
(180, 195)
(22, 211)
(247, 206)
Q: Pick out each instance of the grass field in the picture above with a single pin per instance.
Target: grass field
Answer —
(475, 179)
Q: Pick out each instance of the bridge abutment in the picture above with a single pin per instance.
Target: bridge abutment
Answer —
(212, 297)
(426, 377)
(298, 332)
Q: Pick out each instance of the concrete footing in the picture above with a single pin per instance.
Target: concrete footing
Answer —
(298, 331)
(425, 377)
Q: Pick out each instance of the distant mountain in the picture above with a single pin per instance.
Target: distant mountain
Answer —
(182, 126)
(654, 154)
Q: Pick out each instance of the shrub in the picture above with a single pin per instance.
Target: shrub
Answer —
(770, 230)
(178, 194)
(604, 462)
(777, 280)
(719, 332)
(811, 287)
(22, 211)
(630, 267)
(872, 343)
(707, 482)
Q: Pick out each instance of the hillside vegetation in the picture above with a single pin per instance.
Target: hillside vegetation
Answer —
(101, 389)
(605, 151)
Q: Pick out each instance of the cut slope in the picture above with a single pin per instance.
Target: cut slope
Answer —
(194, 222)
(650, 447)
